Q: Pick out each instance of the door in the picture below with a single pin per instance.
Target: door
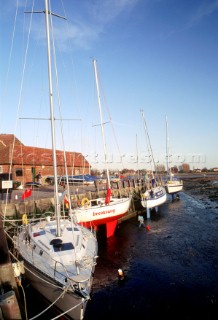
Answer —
(33, 169)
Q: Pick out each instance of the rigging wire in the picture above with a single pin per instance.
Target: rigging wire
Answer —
(111, 122)
(11, 49)
(74, 84)
(61, 122)
(168, 168)
(19, 101)
(147, 139)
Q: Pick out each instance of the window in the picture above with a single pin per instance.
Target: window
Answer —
(19, 172)
(40, 233)
(63, 247)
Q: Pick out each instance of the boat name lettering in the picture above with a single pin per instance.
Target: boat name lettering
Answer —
(103, 212)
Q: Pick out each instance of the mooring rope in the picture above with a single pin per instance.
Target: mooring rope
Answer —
(60, 315)
(39, 314)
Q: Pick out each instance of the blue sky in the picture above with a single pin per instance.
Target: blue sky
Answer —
(160, 56)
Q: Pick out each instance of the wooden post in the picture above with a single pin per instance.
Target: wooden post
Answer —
(10, 295)
(96, 187)
(90, 195)
(133, 205)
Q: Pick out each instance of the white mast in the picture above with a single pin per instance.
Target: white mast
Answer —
(102, 125)
(137, 156)
(56, 198)
(167, 149)
(148, 139)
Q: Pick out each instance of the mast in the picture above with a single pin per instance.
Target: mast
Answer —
(167, 149)
(56, 198)
(137, 156)
(102, 125)
(148, 139)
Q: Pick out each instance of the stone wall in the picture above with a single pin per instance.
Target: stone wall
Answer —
(42, 205)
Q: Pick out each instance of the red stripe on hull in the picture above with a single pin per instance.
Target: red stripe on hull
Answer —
(110, 227)
(98, 222)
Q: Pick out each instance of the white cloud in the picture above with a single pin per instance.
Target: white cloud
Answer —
(86, 20)
(107, 10)
(204, 10)
(88, 24)
(79, 35)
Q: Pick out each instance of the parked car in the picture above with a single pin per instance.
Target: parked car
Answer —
(114, 179)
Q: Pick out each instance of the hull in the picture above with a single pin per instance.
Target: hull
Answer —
(156, 199)
(51, 291)
(95, 215)
(79, 179)
(173, 186)
(98, 213)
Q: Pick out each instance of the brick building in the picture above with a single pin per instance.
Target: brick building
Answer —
(25, 162)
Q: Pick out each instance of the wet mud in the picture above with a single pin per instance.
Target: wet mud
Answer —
(205, 189)
(171, 270)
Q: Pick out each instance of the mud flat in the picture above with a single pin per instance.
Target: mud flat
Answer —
(205, 189)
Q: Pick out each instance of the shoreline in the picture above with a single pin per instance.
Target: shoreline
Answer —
(203, 188)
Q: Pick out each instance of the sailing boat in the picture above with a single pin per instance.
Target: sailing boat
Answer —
(108, 210)
(59, 255)
(172, 185)
(155, 193)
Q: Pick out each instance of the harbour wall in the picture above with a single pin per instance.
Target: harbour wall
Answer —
(16, 209)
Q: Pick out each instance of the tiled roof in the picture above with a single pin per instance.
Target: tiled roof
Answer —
(8, 139)
(24, 155)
